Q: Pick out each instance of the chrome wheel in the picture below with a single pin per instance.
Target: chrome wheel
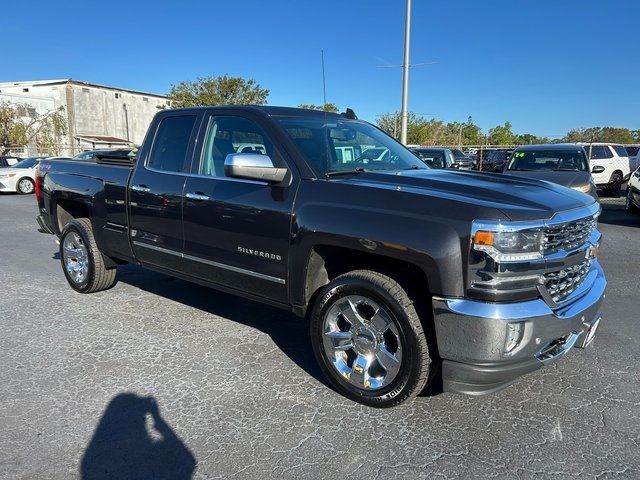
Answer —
(362, 342)
(75, 257)
(25, 186)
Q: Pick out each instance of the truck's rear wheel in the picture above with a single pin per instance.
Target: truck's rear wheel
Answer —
(369, 341)
(82, 262)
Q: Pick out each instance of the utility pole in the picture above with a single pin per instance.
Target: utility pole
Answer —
(405, 75)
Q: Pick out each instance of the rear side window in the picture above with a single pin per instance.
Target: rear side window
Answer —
(632, 151)
(597, 152)
(170, 146)
(620, 150)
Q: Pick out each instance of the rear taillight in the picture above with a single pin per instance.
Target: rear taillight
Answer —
(38, 189)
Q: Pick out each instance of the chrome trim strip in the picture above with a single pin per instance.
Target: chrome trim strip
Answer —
(589, 293)
(197, 196)
(209, 177)
(558, 218)
(231, 268)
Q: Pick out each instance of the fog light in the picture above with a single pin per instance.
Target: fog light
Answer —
(515, 332)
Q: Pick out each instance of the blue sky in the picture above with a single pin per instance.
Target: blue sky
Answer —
(545, 65)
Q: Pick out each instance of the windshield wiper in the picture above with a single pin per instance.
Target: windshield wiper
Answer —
(519, 169)
(566, 170)
(337, 173)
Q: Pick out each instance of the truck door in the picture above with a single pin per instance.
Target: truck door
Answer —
(155, 192)
(237, 232)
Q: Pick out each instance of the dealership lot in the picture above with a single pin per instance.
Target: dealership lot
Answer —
(238, 393)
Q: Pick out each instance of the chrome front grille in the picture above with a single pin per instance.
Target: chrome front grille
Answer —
(569, 235)
(562, 283)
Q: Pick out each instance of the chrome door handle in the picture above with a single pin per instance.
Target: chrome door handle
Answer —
(197, 196)
(140, 188)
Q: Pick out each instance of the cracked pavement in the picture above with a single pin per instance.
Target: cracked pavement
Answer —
(160, 378)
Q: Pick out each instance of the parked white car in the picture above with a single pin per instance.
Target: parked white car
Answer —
(610, 165)
(632, 203)
(20, 177)
(634, 154)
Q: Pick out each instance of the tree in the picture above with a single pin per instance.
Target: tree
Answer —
(20, 125)
(328, 107)
(601, 134)
(223, 90)
(501, 135)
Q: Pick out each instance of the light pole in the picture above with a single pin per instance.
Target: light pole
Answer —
(405, 75)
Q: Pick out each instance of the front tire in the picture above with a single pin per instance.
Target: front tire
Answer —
(369, 340)
(82, 262)
(26, 186)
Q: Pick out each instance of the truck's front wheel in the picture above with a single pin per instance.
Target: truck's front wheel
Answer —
(369, 341)
(82, 262)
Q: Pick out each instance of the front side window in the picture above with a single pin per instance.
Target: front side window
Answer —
(558, 160)
(171, 143)
(228, 134)
(319, 139)
(458, 154)
(433, 158)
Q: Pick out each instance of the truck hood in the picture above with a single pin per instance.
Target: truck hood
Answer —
(567, 179)
(517, 198)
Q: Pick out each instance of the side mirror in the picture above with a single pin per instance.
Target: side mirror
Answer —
(597, 169)
(253, 166)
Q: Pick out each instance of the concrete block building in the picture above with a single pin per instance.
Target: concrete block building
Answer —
(98, 116)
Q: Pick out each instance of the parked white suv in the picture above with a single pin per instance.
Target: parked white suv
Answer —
(610, 166)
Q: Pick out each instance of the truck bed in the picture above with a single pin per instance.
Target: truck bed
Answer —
(101, 187)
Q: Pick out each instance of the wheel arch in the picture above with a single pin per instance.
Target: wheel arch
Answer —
(326, 262)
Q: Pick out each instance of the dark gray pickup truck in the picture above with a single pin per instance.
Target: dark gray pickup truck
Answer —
(403, 272)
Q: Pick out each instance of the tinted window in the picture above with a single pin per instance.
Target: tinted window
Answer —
(457, 154)
(632, 151)
(559, 160)
(433, 158)
(28, 163)
(596, 152)
(171, 143)
(227, 135)
(620, 150)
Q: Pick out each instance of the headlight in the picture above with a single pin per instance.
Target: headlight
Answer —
(8, 175)
(583, 188)
(508, 246)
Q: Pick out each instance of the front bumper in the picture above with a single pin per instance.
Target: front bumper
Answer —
(7, 185)
(473, 335)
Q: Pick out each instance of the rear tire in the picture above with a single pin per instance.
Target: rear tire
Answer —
(82, 262)
(615, 185)
(26, 186)
(369, 341)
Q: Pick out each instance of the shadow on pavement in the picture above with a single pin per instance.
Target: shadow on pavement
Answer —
(613, 213)
(132, 441)
(288, 332)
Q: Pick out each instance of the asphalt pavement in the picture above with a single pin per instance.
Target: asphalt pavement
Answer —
(158, 378)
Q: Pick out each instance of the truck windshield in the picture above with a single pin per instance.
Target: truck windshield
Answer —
(567, 160)
(324, 143)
